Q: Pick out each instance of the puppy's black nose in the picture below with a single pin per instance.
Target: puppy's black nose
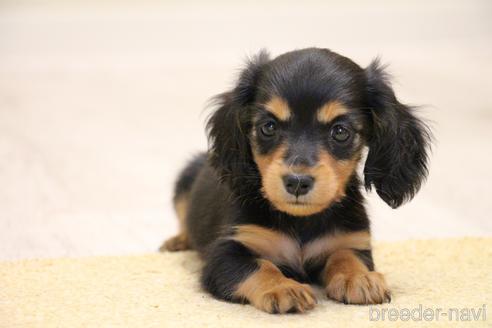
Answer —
(298, 185)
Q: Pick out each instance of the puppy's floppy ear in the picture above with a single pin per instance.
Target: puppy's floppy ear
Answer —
(398, 144)
(229, 125)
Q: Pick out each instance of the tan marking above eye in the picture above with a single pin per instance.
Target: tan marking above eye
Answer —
(278, 107)
(330, 110)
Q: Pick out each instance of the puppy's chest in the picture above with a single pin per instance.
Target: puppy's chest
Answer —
(286, 249)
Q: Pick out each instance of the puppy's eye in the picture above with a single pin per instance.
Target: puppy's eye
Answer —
(268, 129)
(340, 133)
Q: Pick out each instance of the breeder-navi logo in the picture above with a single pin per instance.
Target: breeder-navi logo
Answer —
(428, 314)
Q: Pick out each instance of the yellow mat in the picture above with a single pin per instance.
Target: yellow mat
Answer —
(162, 290)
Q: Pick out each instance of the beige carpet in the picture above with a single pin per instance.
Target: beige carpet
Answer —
(162, 290)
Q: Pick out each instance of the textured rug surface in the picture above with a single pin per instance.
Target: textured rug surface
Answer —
(162, 290)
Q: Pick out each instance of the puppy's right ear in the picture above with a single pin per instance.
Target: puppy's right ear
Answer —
(399, 145)
(229, 126)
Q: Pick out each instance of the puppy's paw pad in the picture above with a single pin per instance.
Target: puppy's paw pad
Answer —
(174, 244)
(359, 288)
(287, 297)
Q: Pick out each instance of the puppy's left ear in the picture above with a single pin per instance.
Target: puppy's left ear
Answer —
(399, 142)
(228, 127)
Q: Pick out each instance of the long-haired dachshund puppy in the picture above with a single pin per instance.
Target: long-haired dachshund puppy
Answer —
(275, 205)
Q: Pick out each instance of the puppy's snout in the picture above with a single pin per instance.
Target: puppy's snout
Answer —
(298, 185)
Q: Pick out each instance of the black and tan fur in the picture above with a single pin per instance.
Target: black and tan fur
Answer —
(275, 205)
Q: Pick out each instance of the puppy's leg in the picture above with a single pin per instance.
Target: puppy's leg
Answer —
(182, 192)
(180, 241)
(347, 278)
(234, 273)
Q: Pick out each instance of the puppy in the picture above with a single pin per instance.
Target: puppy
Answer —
(275, 204)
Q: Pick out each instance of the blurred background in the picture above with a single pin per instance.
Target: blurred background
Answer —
(102, 103)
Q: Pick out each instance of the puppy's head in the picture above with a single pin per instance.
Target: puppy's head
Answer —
(294, 127)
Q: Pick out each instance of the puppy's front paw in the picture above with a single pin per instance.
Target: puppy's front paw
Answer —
(359, 288)
(288, 296)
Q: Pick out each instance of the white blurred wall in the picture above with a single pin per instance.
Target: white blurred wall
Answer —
(102, 103)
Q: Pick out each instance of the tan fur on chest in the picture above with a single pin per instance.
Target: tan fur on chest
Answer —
(281, 248)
